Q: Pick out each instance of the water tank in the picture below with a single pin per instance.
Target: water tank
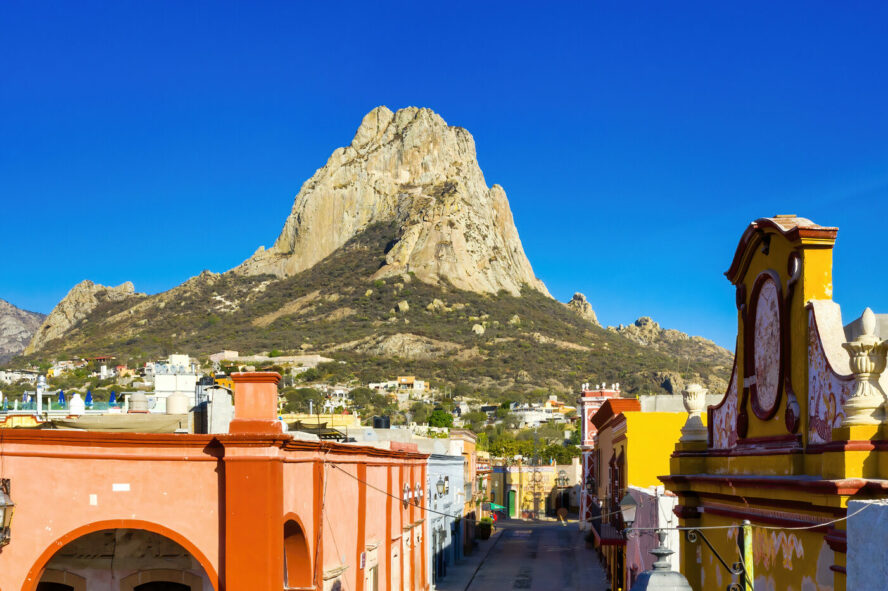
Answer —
(76, 406)
(177, 404)
(138, 402)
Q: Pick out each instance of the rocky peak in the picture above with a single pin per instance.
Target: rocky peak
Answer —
(581, 306)
(411, 168)
(645, 331)
(17, 326)
(74, 307)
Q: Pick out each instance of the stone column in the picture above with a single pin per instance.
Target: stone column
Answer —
(868, 356)
(694, 402)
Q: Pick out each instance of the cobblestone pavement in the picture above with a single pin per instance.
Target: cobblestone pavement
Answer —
(541, 556)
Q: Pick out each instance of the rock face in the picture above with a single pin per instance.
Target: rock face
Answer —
(645, 331)
(582, 307)
(402, 346)
(17, 327)
(412, 169)
(74, 307)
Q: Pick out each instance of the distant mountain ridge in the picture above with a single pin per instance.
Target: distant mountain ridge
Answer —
(17, 328)
(396, 258)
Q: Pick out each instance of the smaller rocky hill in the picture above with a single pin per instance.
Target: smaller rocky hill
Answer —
(75, 307)
(583, 308)
(17, 327)
(648, 333)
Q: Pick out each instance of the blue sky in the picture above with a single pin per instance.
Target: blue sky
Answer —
(150, 141)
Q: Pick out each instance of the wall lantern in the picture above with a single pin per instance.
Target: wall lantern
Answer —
(417, 495)
(406, 495)
(628, 507)
(439, 486)
(446, 484)
(6, 509)
(590, 483)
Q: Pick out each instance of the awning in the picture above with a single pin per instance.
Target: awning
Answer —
(608, 535)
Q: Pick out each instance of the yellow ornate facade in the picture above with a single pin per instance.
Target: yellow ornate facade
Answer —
(780, 451)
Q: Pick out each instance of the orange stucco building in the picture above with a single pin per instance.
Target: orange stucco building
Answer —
(254, 509)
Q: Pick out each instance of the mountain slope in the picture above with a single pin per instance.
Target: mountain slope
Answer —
(336, 307)
(17, 327)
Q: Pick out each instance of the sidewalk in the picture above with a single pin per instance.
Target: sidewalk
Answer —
(459, 575)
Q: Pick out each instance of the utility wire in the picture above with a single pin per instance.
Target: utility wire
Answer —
(631, 529)
(454, 517)
(769, 527)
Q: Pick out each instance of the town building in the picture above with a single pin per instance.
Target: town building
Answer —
(801, 428)
(13, 376)
(252, 509)
(463, 442)
(631, 451)
(589, 401)
(447, 493)
(178, 375)
(522, 487)
(444, 544)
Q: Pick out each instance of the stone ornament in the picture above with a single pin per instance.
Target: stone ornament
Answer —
(868, 356)
(694, 398)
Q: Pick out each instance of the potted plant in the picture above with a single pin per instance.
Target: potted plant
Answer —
(485, 527)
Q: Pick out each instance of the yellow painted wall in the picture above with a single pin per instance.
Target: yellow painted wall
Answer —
(651, 438)
(815, 282)
(333, 421)
(784, 560)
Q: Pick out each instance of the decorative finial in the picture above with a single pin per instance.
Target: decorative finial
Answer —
(694, 398)
(868, 357)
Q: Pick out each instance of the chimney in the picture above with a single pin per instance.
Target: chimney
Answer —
(255, 402)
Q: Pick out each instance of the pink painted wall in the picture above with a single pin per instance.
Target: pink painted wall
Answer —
(53, 488)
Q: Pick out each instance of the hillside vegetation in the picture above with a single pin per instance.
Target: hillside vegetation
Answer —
(383, 328)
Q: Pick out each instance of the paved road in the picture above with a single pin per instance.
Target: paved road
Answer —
(542, 556)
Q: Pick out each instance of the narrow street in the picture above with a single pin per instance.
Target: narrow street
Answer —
(542, 556)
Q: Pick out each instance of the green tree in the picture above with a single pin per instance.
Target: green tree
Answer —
(440, 418)
(420, 412)
(297, 399)
(310, 375)
(475, 420)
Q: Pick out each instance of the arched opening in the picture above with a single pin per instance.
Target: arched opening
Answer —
(57, 580)
(123, 559)
(161, 586)
(297, 559)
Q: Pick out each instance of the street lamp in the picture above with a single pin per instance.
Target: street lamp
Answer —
(628, 508)
(661, 578)
(6, 509)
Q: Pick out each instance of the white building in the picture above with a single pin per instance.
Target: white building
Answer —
(178, 375)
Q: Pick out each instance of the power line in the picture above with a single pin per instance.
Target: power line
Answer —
(608, 514)
(768, 527)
